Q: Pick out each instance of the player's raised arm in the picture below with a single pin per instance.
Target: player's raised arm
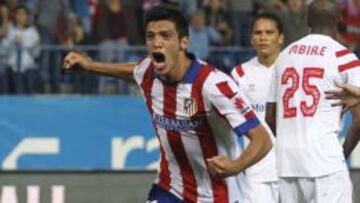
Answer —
(75, 61)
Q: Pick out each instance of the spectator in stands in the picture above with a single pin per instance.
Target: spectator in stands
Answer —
(350, 23)
(188, 7)
(292, 13)
(72, 36)
(3, 31)
(218, 17)
(82, 10)
(114, 30)
(50, 18)
(242, 13)
(202, 36)
(22, 41)
(147, 4)
(295, 20)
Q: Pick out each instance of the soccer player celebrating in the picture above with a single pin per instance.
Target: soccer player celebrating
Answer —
(254, 79)
(310, 158)
(195, 111)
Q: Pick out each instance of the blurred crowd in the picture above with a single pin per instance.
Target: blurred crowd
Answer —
(27, 26)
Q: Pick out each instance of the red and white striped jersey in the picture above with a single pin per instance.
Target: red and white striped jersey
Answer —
(307, 125)
(254, 79)
(196, 119)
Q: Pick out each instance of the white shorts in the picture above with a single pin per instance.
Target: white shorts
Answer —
(258, 192)
(333, 188)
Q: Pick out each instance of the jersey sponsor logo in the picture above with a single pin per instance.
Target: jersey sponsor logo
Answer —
(251, 87)
(177, 124)
(190, 106)
(258, 107)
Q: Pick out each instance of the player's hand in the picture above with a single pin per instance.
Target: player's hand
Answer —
(221, 167)
(76, 60)
(348, 95)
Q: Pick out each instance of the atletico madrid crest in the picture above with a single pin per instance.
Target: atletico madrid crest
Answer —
(190, 106)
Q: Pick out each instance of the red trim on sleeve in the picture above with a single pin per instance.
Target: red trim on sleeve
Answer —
(350, 65)
(249, 115)
(225, 89)
(342, 53)
(240, 70)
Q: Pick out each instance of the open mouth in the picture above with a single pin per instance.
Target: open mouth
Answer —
(159, 57)
(158, 60)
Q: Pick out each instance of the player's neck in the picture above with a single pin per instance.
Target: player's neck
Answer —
(325, 31)
(178, 72)
(267, 61)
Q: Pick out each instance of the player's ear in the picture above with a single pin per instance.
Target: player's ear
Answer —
(184, 43)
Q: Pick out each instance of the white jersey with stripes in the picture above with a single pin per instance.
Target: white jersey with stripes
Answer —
(254, 79)
(307, 125)
(195, 119)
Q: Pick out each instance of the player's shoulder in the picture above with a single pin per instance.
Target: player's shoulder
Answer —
(241, 69)
(143, 63)
(340, 50)
(218, 79)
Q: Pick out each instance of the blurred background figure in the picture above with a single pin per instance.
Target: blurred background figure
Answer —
(293, 16)
(350, 24)
(114, 31)
(217, 16)
(4, 22)
(242, 13)
(294, 20)
(51, 18)
(202, 36)
(22, 42)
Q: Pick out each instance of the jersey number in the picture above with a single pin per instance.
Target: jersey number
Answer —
(310, 90)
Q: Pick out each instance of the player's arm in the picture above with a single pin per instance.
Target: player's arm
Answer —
(75, 61)
(229, 101)
(353, 135)
(260, 144)
(270, 116)
(348, 95)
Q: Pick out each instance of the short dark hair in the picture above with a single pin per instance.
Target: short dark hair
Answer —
(323, 13)
(269, 16)
(167, 12)
(22, 7)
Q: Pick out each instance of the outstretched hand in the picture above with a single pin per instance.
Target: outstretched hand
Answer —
(348, 95)
(221, 167)
(76, 60)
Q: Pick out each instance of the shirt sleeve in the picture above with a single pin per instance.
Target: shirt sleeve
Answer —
(348, 66)
(236, 73)
(230, 102)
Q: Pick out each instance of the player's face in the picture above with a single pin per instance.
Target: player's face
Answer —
(164, 46)
(21, 17)
(265, 37)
